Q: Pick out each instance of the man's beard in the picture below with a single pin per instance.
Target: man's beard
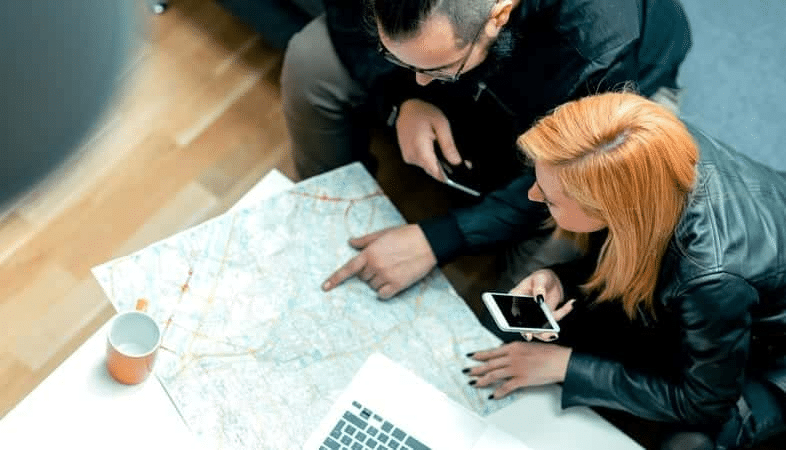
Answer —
(498, 54)
(502, 47)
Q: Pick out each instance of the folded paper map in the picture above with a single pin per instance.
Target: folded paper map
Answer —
(254, 352)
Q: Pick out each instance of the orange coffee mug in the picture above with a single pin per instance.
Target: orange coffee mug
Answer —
(132, 344)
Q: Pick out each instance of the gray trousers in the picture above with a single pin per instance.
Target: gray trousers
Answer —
(320, 102)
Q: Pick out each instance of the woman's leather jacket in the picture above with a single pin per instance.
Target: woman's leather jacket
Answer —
(720, 304)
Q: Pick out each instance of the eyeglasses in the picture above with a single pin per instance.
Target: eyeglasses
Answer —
(437, 74)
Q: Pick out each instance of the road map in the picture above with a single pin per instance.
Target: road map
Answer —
(254, 352)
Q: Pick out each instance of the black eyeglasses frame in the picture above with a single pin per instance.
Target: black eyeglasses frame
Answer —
(437, 74)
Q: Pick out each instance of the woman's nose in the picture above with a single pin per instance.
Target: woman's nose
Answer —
(534, 194)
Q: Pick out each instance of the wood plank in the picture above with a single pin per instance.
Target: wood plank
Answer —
(49, 334)
(233, 192)
(15, 231)
(20, 311)
(14, 380)
(192, 205)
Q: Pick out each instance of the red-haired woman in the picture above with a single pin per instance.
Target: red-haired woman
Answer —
(680, 296)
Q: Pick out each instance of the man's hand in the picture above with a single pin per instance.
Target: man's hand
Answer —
(546, 283)
(520, 364)
(419, 124)
(390, 260)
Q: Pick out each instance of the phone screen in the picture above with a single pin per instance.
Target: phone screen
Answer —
(460, 177)
(522, 312)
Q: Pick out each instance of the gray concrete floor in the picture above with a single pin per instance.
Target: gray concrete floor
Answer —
(734, 77)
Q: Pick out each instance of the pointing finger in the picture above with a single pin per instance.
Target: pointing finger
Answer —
(351, 268)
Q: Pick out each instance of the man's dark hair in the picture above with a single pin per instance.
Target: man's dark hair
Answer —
(402, 19)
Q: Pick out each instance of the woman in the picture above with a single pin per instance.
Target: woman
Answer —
(680, 296)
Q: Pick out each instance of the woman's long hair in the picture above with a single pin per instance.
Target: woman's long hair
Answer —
(631, 163)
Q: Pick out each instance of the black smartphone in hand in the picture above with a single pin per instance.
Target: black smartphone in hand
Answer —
(459, 176)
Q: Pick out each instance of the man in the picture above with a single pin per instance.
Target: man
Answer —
(484, 70)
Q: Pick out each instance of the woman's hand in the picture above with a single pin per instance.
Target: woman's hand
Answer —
(520, 364)
(419, 124)
(546, 283)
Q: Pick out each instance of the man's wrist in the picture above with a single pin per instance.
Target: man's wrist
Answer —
(444, 236)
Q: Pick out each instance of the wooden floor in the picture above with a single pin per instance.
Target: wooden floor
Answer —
(197, 124)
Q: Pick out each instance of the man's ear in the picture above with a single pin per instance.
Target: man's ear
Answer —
(499, 17)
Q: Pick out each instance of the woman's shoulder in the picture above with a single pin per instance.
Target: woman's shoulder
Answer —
(735, 218)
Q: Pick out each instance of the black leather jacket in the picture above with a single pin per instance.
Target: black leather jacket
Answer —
(720, 304)
(551, 51)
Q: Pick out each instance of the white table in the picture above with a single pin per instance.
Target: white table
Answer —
(539, 421)
(80, 404)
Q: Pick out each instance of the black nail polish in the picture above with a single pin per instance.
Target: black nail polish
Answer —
(472, 383)
(465, 370)
(491, 397)
(469, 355)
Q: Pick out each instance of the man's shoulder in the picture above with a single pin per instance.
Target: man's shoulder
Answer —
(594, 28)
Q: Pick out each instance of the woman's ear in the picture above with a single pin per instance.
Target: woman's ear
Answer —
(499, 17)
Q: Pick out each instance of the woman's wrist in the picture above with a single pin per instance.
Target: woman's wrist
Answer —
(561, 363)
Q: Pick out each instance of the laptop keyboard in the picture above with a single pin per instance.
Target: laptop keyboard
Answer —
(362, 429)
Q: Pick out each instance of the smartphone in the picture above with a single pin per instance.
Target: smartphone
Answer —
(518, 313)
(456, 177)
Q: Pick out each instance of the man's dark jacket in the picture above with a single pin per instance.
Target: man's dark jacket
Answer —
(551, 51)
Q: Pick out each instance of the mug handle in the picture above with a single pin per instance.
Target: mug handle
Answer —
(141, 305)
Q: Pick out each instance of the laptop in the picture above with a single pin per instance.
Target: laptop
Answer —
(388, 407)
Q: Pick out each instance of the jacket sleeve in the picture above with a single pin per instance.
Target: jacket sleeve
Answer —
(713, 314)
(650, 61)
(502, 216)
(612, 72)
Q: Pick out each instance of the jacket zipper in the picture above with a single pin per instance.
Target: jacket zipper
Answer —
(483, 87)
